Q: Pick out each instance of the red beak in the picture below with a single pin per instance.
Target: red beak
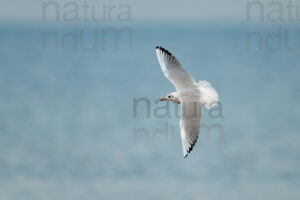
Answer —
(163, 99)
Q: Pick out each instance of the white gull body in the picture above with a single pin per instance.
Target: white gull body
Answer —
(189, 94)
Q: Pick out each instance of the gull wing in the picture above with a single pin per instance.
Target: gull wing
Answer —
(190, 125)
(173, 70)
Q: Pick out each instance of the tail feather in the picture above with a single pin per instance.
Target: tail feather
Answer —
(209, 96)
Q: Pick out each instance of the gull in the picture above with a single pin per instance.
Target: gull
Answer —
(190, 94)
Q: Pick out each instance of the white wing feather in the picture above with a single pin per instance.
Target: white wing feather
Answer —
(173, 70)
(190, 125)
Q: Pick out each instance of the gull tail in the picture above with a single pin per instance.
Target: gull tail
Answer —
(209, 96)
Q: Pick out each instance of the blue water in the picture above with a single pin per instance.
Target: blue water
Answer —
(67, 125)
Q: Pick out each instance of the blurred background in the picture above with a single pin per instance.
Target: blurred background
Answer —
(77, 78)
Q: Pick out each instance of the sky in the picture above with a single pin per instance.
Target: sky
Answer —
(168, 11)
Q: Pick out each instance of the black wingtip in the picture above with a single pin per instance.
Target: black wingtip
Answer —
(163, 50)
(191, 148)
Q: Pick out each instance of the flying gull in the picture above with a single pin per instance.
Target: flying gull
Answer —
(189, 94)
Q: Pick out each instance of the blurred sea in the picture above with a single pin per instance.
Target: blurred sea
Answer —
(67, 125)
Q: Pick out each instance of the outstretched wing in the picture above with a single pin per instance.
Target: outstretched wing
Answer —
(190, 125)
(173, 70)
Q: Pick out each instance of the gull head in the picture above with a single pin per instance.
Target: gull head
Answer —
(171, 97)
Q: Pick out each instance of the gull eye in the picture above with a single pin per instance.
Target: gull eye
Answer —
(169, 96)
